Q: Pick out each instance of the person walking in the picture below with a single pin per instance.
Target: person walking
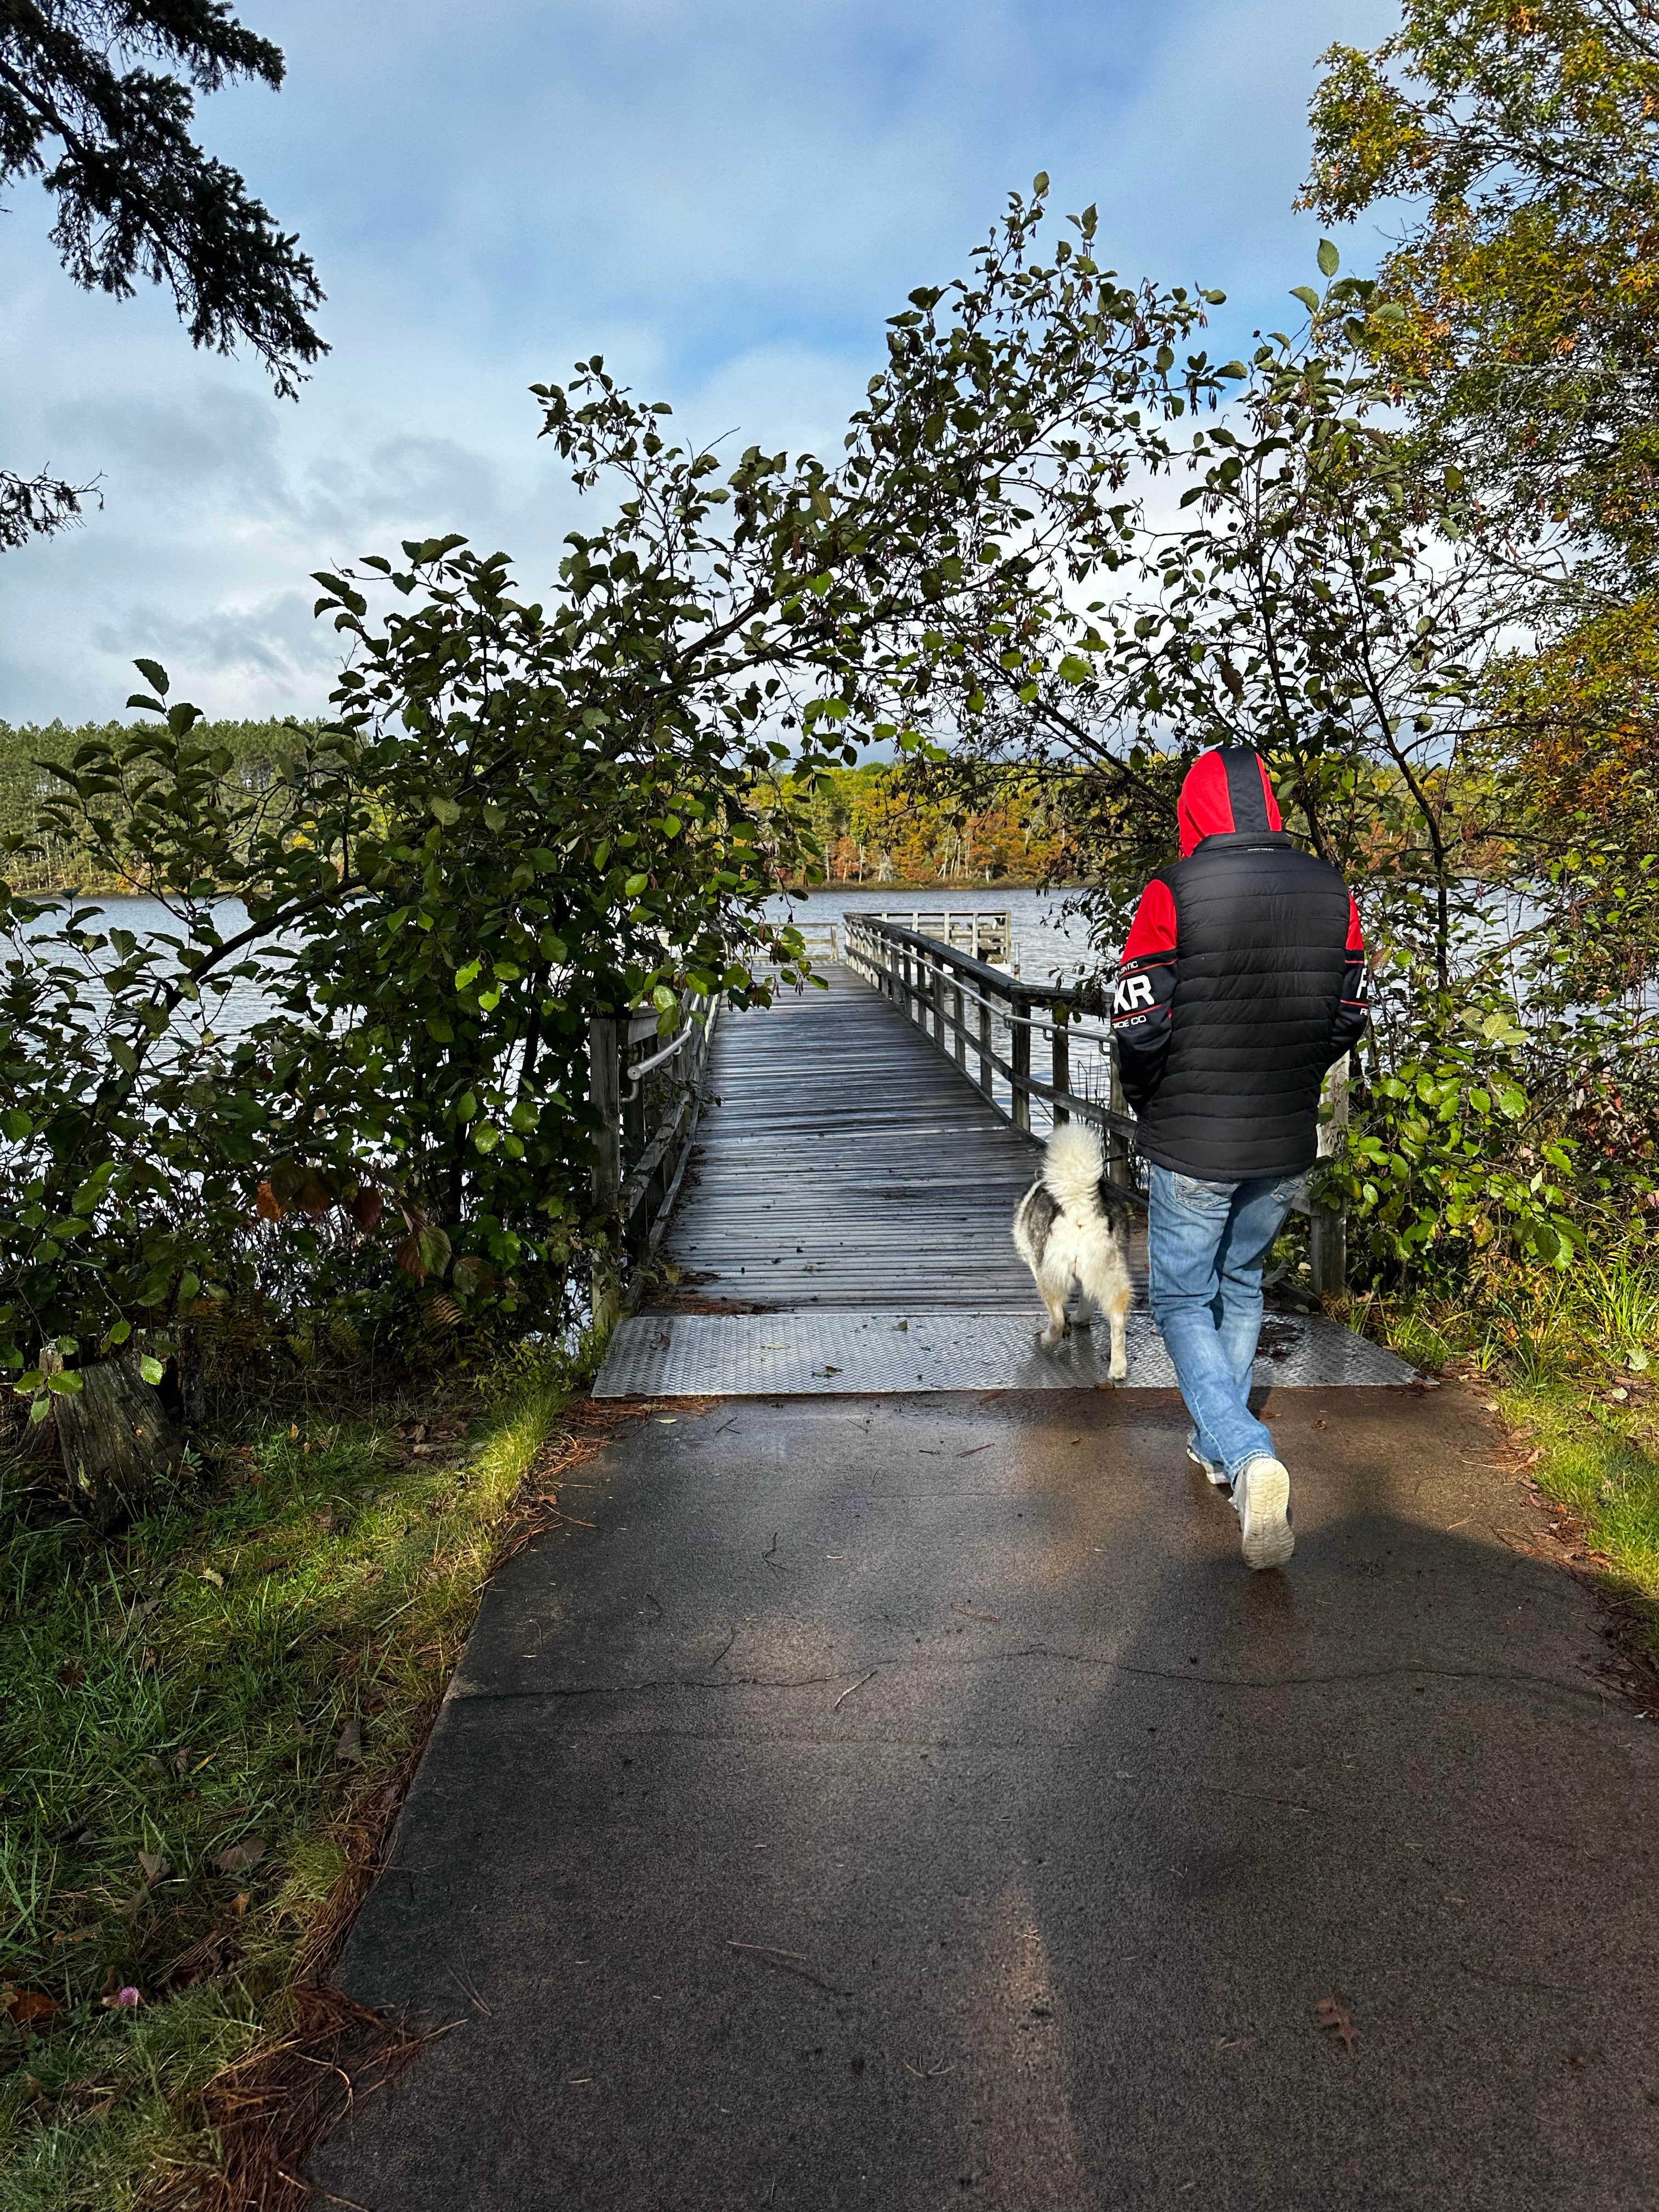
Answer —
(1243, 980)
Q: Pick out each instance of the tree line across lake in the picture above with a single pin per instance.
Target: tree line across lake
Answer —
(879, 823)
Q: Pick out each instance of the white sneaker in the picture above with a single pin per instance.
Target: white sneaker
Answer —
(1261, 1499)
(1213, 1467)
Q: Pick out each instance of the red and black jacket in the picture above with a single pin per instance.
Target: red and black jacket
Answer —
(1243, 980)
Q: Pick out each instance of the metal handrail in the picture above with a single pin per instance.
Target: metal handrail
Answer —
(642, 1068)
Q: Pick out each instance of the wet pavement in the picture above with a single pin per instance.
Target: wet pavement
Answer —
(898, 1803)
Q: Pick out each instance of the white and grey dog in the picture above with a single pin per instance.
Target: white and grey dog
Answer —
(1071, 1226)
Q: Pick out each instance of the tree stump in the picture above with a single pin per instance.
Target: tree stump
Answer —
(115, 1439)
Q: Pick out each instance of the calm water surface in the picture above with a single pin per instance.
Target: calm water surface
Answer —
(1048, 944)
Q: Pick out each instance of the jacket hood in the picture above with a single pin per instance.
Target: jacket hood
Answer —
(1225, 790)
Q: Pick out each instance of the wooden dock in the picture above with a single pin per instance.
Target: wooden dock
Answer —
(847, 1163)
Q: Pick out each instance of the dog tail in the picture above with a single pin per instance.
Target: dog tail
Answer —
(1072, 1165)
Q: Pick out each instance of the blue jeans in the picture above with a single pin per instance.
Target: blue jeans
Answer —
(1205, 1245)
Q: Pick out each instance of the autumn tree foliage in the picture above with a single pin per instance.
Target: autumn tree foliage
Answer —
(1524, 135)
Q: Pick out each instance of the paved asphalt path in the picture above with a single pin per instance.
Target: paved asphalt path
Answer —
(914, 1803)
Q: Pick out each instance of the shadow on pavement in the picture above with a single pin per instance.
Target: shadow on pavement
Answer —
(913, 1803)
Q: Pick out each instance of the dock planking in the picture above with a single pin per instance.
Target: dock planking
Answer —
(848, 1162)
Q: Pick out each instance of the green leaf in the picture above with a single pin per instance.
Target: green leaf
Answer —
(1329, 260)
(151, 1368)
(447, 812)
(434, 1248)
(155, 675)
(634, 885)
(66, 1383)
(16, 1124)
(1307, 296)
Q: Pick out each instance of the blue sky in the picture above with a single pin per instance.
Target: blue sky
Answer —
(726, 199)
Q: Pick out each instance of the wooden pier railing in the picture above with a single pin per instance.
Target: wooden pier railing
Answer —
(987, 933)
(646, 1091)
(1001, 1031)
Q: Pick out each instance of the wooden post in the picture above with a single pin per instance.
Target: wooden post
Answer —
(605, 1034)
(1328, 1228)
(1118, 1171)
(1020, 1058)
(985, 1044)
(1062, 1061)
(960, 1029)
(939, 1004)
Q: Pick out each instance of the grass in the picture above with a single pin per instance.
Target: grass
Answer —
(1572, 1360)
(203, 1724)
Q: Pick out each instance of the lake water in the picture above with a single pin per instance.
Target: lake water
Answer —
(1048, 945)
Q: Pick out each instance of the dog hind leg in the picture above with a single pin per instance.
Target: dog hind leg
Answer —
(1120, 1311)
(1054, 1285)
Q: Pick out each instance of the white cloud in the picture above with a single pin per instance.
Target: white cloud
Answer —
(725, 199)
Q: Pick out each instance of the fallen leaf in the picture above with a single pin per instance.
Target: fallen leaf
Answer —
(1333, 2011)
(348, 1751)
(236, 1857)
(71, 1673)
(239, 1903)
(154, 1865)
(27, 2006)
(212, 1575)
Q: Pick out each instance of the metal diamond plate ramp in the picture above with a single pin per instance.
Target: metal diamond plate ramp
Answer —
(830, 1353)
